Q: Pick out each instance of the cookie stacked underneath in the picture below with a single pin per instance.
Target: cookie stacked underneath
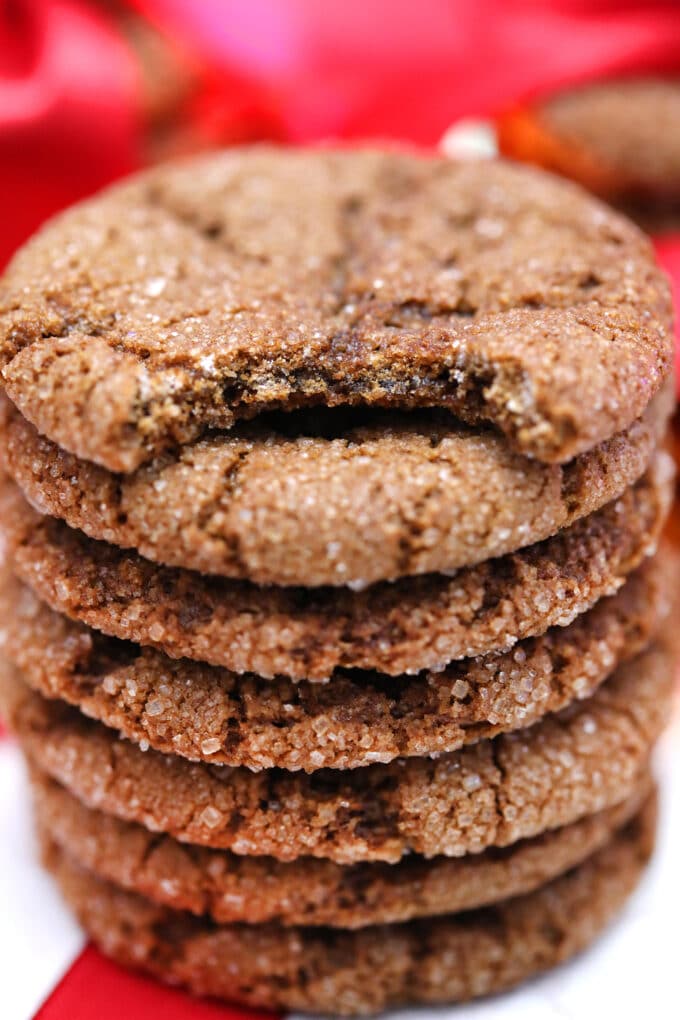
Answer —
(331, 622)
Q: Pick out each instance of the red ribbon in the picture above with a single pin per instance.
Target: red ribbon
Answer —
(95, 987)
(68, 115)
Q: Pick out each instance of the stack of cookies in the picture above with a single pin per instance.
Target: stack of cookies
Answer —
(331, 623)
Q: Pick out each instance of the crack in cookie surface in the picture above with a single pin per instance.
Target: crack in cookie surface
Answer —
(586, 758)
(397, 496)
(394, 628)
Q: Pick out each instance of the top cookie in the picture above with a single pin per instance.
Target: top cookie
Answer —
(201, 293)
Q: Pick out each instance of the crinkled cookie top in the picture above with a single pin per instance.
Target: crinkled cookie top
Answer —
(204, 292)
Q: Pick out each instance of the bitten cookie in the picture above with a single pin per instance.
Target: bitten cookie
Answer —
(404, 627)
(210, 290)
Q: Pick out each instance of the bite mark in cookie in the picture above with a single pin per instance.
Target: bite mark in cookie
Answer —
(198, 294)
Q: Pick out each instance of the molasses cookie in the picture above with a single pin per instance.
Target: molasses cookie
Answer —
(208, 291)
(311, 891)
(620, 138)
(400, 496)
(182, 707)
(436, 960)
(584, 759)
(401, 627)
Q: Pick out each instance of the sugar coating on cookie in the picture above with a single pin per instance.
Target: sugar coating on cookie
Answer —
(447, 959)
(586, 758)
(204, 712)
(403, 627)
(311, 891)
(330, 482)
(404, 495)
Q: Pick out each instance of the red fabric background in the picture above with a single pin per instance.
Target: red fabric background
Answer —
(351, 68)
(68, 119)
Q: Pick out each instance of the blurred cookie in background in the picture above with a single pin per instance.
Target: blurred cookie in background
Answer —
(618, 138)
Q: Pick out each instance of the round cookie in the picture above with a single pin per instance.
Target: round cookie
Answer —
(310, 891)
(204, 712)
(403, 627)
(618, 137)
(393, 497)
(260, 279)
(586, 758)
(435, 960)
